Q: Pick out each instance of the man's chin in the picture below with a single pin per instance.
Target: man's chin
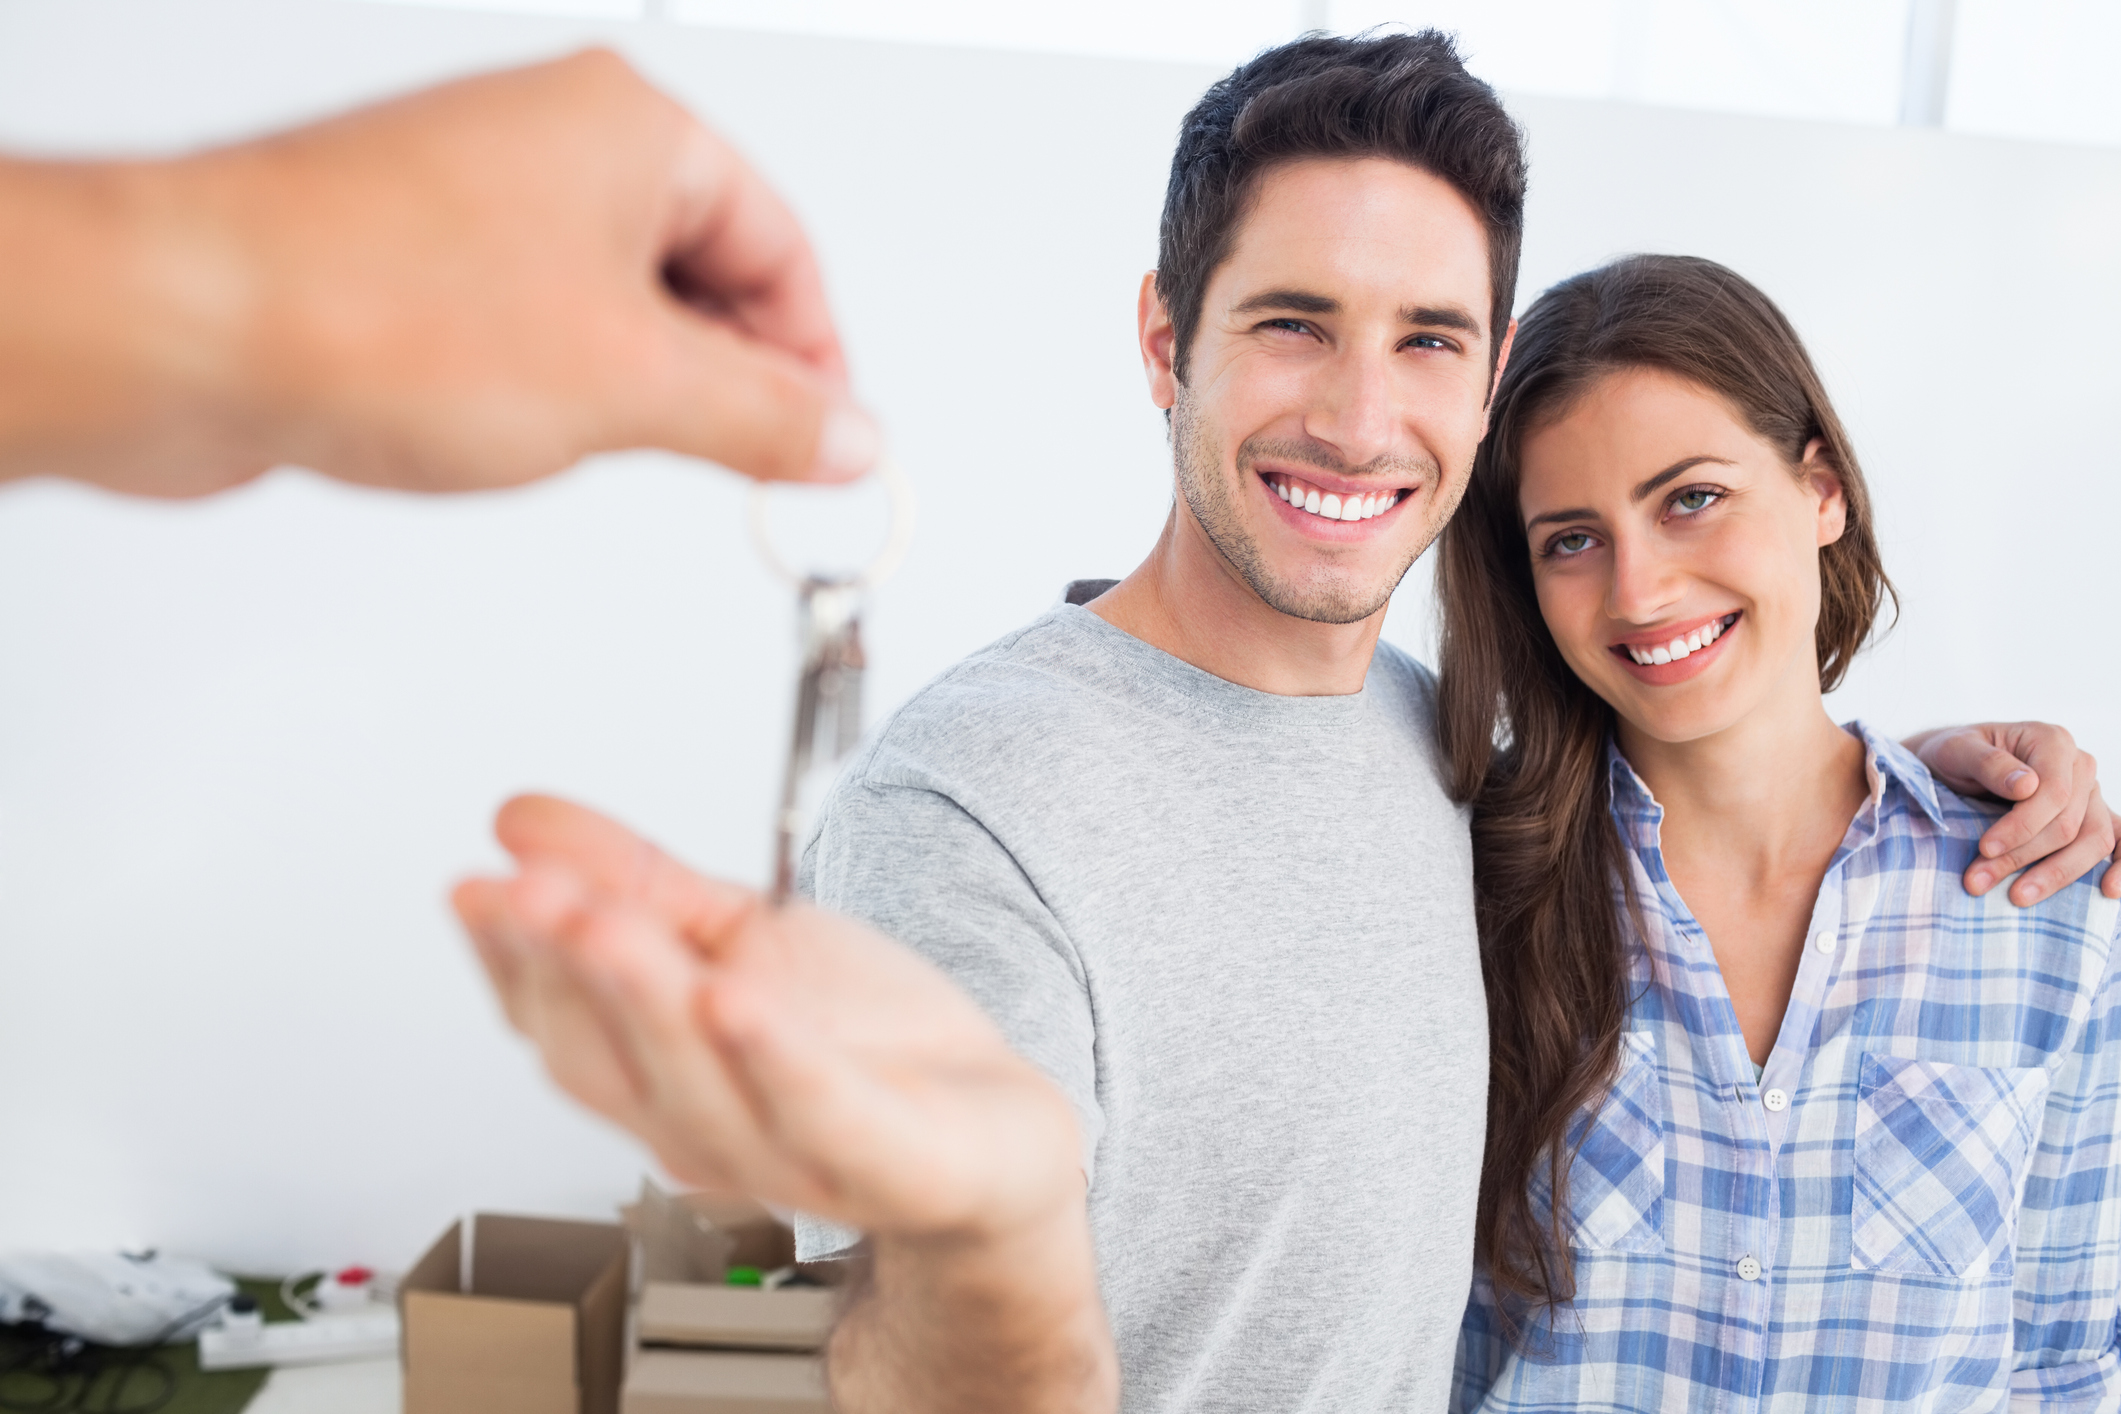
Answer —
(1321, 604)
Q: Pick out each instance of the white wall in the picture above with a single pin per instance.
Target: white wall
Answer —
(245, 745)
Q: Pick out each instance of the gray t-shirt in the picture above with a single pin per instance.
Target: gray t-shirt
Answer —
(1237, 929)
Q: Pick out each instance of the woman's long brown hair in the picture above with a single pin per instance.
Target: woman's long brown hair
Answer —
(1525, 739)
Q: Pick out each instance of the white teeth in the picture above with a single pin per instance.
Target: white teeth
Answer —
(1351, 509)
(1281, 489)
(1329, 506)
(1660, 655)
(1693, 641)
(1677, 648)
(1369, 507)
(1311, 500)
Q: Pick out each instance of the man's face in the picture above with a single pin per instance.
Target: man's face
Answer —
(1338, 383)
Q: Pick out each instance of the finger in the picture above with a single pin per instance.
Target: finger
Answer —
(816, 1106)
(643, 977)
(480, 906)
(2055, 805)
(2064, 867)
(2093, 843)
(733, 246)
(969, 1143)
(1985, 874)
(610, 859)
(1971, 764)
(718, 392)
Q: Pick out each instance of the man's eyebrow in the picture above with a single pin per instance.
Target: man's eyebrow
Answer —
(1678, 468)
(1446, 316)
(1302, 301)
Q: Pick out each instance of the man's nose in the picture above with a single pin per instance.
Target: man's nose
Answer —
(1358, 408)
(1645, 584)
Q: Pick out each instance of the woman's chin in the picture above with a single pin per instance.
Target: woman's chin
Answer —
(1672, 715)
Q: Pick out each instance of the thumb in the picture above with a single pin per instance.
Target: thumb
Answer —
(751, 406)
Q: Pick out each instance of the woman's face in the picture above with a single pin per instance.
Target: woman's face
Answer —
(1676, 554)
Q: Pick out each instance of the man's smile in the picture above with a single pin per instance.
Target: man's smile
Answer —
(1316, 501)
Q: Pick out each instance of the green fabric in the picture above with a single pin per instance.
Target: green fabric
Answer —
(115, 1391)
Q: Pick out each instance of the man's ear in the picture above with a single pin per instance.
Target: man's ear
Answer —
(1159, 343)
(1823, 479)
(1502, 361)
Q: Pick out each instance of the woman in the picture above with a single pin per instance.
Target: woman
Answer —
(1780, 1116)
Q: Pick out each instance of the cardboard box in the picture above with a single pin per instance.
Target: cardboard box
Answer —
(687, 1244)
(734, 1317)
(725, 1382)
(534, 1325)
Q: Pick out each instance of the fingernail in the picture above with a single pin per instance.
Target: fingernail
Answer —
(847, 445)
(2010, 782)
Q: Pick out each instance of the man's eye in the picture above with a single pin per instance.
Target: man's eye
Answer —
(1294, 326)
(1428, 341)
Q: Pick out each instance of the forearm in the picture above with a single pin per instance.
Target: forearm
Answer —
(124, 293)
(943, 1326)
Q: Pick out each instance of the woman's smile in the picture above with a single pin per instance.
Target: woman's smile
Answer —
(1676, 653)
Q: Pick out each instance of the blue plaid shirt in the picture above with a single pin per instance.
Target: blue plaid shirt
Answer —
(1915, 1206)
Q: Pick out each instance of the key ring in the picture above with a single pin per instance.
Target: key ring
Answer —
(896, 539)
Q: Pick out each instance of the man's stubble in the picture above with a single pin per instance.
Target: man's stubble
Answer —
(1329, 597)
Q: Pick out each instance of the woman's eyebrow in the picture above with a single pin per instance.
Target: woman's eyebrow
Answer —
(1678, 468)
(1675, 469)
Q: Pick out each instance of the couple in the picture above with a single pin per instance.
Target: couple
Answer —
(1778, 1109)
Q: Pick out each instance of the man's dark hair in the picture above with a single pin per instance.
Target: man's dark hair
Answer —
(1401, 96)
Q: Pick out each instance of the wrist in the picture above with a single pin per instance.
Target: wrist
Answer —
(120, 356)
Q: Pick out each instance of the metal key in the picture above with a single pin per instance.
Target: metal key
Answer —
(828, 706)
(828, 692)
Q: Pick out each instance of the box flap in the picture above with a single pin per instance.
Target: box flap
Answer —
(541, 1259)
(445, 1392)
(793, 1318)
(602, 1333)
(797, 1380)
(486, 1338)
(442, 1267)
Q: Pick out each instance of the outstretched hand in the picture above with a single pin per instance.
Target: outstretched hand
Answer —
(783, 1053)
(2059, 827)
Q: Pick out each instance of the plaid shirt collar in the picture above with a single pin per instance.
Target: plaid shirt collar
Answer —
(1889, 766)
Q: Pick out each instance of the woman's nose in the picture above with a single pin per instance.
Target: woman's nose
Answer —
(1645, 584)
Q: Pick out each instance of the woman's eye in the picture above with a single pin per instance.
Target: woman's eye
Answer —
(1696, 499)
(1294, 326)
(1573, 543)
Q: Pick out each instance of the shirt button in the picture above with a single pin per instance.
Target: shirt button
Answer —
(1824, 941)
(1748, 1268)
(1776, 1100)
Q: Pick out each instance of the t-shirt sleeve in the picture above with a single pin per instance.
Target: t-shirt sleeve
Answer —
(915, 865)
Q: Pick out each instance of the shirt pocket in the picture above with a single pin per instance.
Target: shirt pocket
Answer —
(1616, 1184)
(1940, 1154)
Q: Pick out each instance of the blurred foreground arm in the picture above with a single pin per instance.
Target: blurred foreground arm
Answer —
(473, 286)
(800, 1058)
(2059, 828)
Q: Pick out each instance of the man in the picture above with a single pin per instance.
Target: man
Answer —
(1182, 840)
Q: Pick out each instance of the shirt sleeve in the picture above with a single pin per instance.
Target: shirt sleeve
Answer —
(2068, 1296)
(915, 865)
